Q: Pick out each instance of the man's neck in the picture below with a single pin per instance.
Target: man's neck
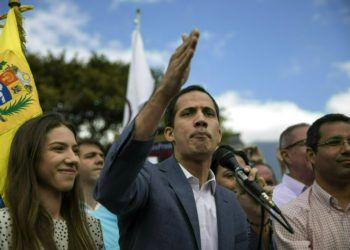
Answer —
(199, 168)
(340, 191)
(300, 177)
(89, 199)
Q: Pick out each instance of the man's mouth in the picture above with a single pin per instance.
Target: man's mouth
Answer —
(200, 135)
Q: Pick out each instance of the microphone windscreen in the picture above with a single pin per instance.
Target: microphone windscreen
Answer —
(222, 154)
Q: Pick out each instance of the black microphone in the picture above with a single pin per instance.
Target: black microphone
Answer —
(225, 157)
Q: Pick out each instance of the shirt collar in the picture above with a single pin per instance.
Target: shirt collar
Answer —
(87, 207)
(325, 197)
(296, 186)
(194, 180)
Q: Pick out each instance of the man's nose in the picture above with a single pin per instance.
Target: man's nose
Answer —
(346, 145)
(99, 159)
(200, 120)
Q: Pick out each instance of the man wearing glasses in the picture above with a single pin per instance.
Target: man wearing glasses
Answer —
(292, 154)
(320, 216)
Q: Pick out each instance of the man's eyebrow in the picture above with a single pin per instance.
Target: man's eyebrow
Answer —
(209, 108)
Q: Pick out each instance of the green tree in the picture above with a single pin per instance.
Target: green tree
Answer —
(90, 94)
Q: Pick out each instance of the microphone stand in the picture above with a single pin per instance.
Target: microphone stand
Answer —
(226, 158)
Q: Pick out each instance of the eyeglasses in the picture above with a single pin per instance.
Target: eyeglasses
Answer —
(335, 142)
(299, 143)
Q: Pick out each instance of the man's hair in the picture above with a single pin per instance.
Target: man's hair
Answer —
(170, 111)
(313, 134)
(94, 142)
(286, 134)
(270, 168)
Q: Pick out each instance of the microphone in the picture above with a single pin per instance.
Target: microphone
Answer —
(225, 157)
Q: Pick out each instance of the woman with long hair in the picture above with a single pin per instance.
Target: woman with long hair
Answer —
(42, 192)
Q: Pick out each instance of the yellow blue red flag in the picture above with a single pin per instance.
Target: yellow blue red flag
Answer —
(18, 95)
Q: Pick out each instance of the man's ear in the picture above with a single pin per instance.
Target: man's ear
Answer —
(169, 134)
(220, 138)
(284, 156)
(283, 165)
(279, 155)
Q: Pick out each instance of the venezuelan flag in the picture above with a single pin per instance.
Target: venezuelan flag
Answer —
(18, 95)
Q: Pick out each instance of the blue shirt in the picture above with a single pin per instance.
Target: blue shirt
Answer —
(109, 223)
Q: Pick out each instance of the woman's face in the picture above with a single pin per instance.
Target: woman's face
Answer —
(59, 160)
(226, 177)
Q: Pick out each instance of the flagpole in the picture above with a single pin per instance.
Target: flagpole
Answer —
(137, 20)
(19, 8)
(16, 3)
(13, 3)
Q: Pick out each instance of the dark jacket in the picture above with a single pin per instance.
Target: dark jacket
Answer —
(155, 203)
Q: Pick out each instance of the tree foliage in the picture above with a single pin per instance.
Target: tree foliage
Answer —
(90, 94)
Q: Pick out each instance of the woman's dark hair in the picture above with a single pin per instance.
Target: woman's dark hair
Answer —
(313, 133)
(32, 226)
(171, 108)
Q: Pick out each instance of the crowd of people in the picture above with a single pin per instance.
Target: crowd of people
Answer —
(65, 193)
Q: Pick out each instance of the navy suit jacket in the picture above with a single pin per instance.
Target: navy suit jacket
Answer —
(155, 203)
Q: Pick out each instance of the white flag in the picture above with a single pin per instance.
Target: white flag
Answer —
(140, 81)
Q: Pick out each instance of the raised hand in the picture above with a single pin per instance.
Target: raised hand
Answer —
(179, 65)
(176, 75)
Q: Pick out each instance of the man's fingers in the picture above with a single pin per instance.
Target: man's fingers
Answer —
(185, 60)
(195, 32)
(179, 64)
(268, 190)
(261, 181)
(188, 41)
(184, 37)
(251, 172)
(187, 53)
(185, 43)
